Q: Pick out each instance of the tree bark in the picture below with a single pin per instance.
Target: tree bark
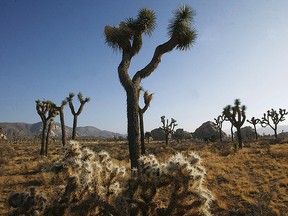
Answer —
(239, 138)
(44, 127)
(74, 127)
(48, 137)
(63, 129)
(256, 135)
(133, 126)
(142, 136)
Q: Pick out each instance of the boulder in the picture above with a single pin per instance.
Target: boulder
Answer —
(208, 131)
(158, 134)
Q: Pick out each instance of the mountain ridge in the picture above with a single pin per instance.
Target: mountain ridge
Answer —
(22, 129)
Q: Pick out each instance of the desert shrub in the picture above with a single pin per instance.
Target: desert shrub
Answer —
(95, 185)
(6, 153)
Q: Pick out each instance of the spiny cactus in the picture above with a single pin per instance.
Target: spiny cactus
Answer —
(219, 122)
(236, 115)
(272, 119)
(47, 111)
(76, 114)
(26, 203)
(254, 121)
(127, 37)
(147, 99)
(167, 127)
(96, 186)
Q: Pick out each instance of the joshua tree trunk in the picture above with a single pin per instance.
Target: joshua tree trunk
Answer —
(48, 136)
(133, 126)
(232, 135)
(220, 134)
(74, 127)
(239, 137)
(275, 132)
(166, 139)
(142, 136)
(255, 131)
(43, 138)
(63, 129)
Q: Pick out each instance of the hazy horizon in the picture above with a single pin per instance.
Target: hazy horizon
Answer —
(51, 48)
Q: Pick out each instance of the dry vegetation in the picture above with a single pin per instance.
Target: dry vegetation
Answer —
(252, 181)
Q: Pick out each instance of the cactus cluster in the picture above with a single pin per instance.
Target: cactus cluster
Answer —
(95, 185)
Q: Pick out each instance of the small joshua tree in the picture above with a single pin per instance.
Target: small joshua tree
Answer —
(127, 37)
(148, 135)
(60, 109)
(236, 115)
(147, 99)
(168, 128)
(76, 114)
(47, 111)
(219, 122)
(272, 119)
(254, 121)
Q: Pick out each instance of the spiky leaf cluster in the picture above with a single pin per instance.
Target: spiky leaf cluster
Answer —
(129, 33)
(167, 127)
(180, 27)
(236, 114)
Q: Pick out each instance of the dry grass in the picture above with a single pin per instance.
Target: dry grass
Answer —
(252, 181)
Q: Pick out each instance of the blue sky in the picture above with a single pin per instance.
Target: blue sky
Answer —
(51, 48)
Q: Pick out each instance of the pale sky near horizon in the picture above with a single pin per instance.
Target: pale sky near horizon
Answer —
(51, 48)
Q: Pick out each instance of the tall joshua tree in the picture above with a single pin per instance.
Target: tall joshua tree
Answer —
(76, 114)
(272, 119)
(167, 127)
(219, 122)
(147, 99)
(127, 37)
(47, 111)
(236, 115)
(254, 121)
(60, 109)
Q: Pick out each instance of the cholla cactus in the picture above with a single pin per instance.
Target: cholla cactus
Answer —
(167, 127)
(96, 186)
(171, 188)
(92, 182)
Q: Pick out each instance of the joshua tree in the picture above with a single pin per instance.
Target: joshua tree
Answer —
(127, 37)
(147, 99)
(47, 111)
(63, 129)
(219, 122)
(272, 118)
(167, 127)
(254, 121)
(76, 114)
(236, 115)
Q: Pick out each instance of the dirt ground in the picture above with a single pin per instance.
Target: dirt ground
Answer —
(251, 181)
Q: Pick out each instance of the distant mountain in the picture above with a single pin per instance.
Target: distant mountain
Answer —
(21, 129)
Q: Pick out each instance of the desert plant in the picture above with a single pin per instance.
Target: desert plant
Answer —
(148, 135)
(254, 121)
(76, 114)
(168, 128)
(219, 122)
(47, 111)
(272, 118)
(97, 186)
(147, 99)
(127, 37)
(62, 121)
(26, 203)
(236, 115)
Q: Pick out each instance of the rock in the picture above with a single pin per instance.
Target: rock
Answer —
(158, 134)
(208, 131)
